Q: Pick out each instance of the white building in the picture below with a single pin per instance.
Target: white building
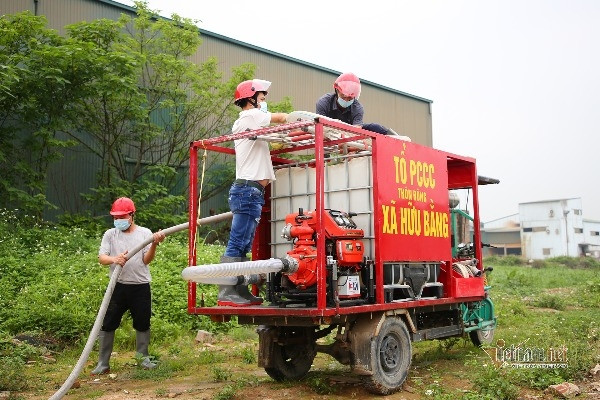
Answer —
(548, 228)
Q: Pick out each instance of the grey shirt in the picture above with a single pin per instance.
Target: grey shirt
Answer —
(115, 242)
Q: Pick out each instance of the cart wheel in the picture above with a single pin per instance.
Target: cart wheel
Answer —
(391, 353)
(291, 361)
(482, 337)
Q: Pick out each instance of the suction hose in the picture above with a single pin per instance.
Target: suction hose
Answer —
(109, 290)
(225, 273)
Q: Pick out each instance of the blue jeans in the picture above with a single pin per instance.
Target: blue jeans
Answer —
(246, 204)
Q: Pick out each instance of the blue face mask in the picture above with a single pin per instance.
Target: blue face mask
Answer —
(345, 103)
(263, 106)
(122, 224)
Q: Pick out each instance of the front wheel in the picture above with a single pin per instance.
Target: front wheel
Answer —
(482, 337)
(391, 353)
(484, 312)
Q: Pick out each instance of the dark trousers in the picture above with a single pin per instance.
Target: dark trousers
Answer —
(135, 298)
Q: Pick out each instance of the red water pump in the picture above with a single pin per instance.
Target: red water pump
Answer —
(343, 243)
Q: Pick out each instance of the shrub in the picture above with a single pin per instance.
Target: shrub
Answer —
(492, 382)
(51, 282)
(13, 356)
(550, 301)
(538, 264)
(509, 260)
(575, 262)
(12, 374)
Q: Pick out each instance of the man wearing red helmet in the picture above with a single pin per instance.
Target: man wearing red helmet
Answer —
(132, 291)
(253, 172)
(343, 103)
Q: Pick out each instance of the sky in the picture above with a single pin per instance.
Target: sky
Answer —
(514, 83)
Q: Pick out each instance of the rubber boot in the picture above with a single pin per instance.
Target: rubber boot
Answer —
(142, 341)
(242, 287)
(106, 340)
(228, 295)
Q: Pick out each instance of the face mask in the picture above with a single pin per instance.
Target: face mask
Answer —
(345, 103)
(263, 106)
(122, 224)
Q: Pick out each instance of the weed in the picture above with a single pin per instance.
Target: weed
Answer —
(538, 264)
(550, 301)
(575, 262)
(593, 286)
(220, 374)
(509, 260)
(13, 356)
(243, 333)
(210, 357)
(248, 355)
(493, 383)
(162, 371)
(227, 393)
(519, 280)
(174, 349)
(12, 374)
(320, 385)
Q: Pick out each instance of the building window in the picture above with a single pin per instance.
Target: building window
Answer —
(578, 230)
(527, 229)
(594, 233)
(576, 212)
(546, 251)
(539, 229)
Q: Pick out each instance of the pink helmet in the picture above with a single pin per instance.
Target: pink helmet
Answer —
(348, 84)
(122, 206)
(247, 89)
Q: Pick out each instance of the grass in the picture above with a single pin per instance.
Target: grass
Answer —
(544, 305)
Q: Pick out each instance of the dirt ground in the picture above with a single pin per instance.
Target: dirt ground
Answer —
(326, 380)
(202, 387)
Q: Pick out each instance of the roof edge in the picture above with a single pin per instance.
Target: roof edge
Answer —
(273, 53)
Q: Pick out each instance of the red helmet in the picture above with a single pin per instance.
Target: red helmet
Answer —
(122, 206)
(348, 84)
(247, 89)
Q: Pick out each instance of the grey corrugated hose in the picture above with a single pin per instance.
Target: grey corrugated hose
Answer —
(109, 290)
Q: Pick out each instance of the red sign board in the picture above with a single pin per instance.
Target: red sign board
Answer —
(411, 202)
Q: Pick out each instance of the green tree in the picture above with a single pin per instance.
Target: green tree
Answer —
(128, 92)
(39, 84)
(148, 102)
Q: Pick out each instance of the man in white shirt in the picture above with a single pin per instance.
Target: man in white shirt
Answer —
(253, 172)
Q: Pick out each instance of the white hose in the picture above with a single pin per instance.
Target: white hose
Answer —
(219, 280)
(107, 295)
(197, 273)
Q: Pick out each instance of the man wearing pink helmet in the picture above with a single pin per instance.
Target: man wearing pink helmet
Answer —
(253, 172)
(132, 291)
(343, 103)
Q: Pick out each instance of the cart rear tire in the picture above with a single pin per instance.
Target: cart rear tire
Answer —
(291, 361)
(391, 354)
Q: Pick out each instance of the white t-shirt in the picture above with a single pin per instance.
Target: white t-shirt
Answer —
(252, 157)
(115, 242)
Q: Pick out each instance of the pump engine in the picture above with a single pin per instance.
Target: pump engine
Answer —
(344, 254)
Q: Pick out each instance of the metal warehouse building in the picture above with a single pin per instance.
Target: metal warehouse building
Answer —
(303, 82)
